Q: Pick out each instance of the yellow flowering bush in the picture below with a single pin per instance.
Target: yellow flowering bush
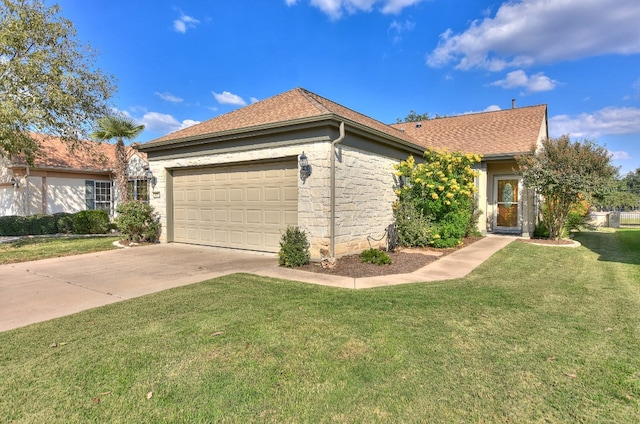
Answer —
(441, 189)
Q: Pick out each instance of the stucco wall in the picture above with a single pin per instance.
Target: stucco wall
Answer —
(65, 195)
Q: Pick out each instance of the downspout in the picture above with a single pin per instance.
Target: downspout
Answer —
(332, 191)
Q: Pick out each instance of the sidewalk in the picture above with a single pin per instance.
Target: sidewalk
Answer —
(455, 265)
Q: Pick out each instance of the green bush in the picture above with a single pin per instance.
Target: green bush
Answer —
(64, 222)
(13, 226)
(442, 189)
(41, 224)
(450, 230)
(414, 229)
(375, 256)
(294, 248)
(138, 222)
(91, 222)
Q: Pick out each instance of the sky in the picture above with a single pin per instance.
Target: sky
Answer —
(179, 62)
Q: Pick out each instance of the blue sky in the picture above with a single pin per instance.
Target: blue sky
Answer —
(181, 62)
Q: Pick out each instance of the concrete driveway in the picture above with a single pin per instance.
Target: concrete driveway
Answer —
(41, 290)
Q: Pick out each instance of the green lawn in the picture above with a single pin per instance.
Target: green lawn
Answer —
(32, 249)
(536, 334)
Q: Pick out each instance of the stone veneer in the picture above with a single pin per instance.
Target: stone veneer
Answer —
(365, 186)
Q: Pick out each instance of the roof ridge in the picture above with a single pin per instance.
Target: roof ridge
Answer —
(310, 96)
(394, 124)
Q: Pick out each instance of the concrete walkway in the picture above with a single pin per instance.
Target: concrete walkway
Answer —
(455, 265)
(37, 291)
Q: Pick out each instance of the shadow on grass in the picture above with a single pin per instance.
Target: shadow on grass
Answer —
(621, 246)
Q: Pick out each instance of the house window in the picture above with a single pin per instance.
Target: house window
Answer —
(138, 190)
(98, 195)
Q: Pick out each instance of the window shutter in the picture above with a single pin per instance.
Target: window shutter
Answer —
(89, 195)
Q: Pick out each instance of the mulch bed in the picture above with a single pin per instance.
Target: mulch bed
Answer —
(403, 261)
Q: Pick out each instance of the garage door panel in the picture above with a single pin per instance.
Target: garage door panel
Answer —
(236, 194)
(272, 194)
(237, 216)
(290, 218)
(254, 194)
(244, 206)
(254, 217)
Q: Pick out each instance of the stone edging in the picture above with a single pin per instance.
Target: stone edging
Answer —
(573, 243)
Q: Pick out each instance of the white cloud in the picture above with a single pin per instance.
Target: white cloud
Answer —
(335, 9)
(610, 120)
(169, 97)
(490, 108)
(253, 100)
(184, 22)
(619, 155)
(528, 32)
(398, 28)
(227, 98)
(164, 123)
(533, 83)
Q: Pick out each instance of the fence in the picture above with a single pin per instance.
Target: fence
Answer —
(629, 218)
(615, 219)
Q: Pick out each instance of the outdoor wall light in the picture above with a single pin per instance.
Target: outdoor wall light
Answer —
(14, 182)
(305, 168)
(148, 175)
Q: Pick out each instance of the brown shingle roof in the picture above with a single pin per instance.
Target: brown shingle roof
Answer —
(489, 133)
(282, 108)
(86, 155)
(502, 132)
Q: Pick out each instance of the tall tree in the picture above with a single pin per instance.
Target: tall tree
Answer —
(48, 82)
(120, 128)
(564, 171)
(632, 181)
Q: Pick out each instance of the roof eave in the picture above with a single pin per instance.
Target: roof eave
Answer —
(230, 134)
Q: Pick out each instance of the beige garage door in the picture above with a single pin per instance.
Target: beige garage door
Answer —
(245, 207)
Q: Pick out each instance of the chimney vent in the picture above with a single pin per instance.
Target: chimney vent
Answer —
(513, 103)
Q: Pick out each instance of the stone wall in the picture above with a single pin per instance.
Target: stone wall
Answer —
(365, 184)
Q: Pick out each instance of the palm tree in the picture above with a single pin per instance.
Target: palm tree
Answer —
(118, 127)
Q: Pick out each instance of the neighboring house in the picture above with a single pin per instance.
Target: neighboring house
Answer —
(238, 180)
(64, 179)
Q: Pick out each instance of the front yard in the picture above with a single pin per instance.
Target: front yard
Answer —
(536, 334)
(25, 249)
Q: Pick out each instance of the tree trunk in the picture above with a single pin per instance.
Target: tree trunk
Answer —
(121, 171)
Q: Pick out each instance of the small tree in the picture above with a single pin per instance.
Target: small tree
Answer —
(48, 81)
(561, 171)
(441, 189)
(118, 127)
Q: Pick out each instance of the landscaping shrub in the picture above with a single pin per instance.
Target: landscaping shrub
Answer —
(414, 229)
(27, 225)
(91, 222)
(578, 216)
(442, 190)
(375, 256)
(138, 222)
(64, 222)
(294, 248)
(41, 224)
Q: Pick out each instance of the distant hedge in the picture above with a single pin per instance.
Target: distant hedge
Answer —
(83, 222)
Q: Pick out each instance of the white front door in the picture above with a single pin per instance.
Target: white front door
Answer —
(508, 210)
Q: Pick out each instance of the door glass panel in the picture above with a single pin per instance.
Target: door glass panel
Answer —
(507, 203)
